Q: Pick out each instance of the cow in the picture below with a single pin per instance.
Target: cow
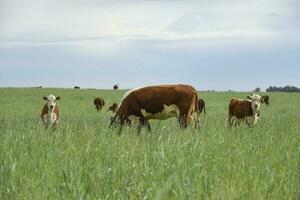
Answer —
(116, 87)
(158, 102)
(50, 111)
(113, 107)
(201, 106)
(244, 110)
(76, 87)
(99, 103)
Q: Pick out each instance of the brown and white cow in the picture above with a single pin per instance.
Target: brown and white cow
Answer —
(113, 107)
(50, 111)
(99, 103)
(158, 102)
(244, 110)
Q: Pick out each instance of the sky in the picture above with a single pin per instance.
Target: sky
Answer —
(212, 45)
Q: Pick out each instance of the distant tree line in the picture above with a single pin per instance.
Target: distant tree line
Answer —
(283, 89)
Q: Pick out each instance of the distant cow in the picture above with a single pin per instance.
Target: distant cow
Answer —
(50, 111)
(201, 106)
(244, 110)
(158, 102)
(113, 107)
(99, 103)
(76, 87)
(116, 87)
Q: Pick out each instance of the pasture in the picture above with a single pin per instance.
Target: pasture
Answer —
(84, 159)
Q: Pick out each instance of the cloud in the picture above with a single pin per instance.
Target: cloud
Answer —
(66, 21)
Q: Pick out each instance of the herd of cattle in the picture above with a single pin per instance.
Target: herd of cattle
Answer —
(163, 102)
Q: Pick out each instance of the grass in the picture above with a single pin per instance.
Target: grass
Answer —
(83, 159)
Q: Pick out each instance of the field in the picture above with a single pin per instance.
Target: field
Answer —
(83, 159)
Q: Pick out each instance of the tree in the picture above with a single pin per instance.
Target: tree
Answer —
(257, 89)
(283, 89)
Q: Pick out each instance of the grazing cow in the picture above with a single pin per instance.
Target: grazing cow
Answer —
(246, 110)
(50, 111)
(113, 107)
(99, 103)
(201, 106)
(158, 102)
(116, 87)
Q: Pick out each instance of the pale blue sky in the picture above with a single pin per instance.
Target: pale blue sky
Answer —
(213, 45)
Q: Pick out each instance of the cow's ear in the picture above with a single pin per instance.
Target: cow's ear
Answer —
(45, 98)
(57, 98)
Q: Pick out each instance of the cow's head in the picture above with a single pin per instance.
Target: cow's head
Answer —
(255, 101)
(51, 102)
(113, 107)
(265, 99)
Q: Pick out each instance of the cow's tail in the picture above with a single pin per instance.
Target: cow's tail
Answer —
(204, 107)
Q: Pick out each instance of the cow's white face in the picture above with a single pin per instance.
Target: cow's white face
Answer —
(51, 102)
(255, 102)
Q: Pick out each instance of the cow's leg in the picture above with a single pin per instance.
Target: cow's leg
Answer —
(142, 123)
(148, 126)
(192, 121)
(234, 121)
(120, 129)
(230, 120)
(248, 123)
(140, 126)
(127, 121)
(121, 125)
(237, 121)
(251, 121)
(183, 120)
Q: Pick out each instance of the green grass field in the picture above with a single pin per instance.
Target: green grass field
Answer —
(83, 159)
